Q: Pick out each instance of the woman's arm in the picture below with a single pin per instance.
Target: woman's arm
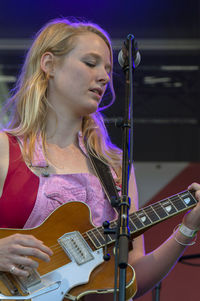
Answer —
(16, 249)
(151, 268)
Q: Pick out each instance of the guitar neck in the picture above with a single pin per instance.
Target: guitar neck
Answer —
(147, 217)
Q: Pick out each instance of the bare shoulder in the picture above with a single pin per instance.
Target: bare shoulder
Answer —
(4, 144)
(4, 158)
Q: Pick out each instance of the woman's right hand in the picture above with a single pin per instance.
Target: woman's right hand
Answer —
(15, 252)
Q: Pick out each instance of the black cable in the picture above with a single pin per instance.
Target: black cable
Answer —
(184, 259)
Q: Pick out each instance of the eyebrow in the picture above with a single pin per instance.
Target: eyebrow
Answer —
(98, 57)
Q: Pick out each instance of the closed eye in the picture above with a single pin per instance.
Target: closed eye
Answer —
(92, 65)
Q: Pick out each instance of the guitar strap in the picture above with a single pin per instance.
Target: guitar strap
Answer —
(104, 174)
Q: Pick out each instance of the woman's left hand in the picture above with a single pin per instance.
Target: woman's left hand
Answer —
(192, 218)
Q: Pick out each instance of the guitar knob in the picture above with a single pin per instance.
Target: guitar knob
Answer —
(106, 224)
(106, 257)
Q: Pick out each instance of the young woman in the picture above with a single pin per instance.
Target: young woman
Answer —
(43, 160)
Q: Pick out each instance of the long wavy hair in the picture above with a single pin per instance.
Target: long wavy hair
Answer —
(29, 103)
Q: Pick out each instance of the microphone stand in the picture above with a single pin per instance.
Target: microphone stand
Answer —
(124, 202)
(156, 292)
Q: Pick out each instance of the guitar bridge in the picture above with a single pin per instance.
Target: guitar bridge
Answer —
(27, 282)
(76, 247)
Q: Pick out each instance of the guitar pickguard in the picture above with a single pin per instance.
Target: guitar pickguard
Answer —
(56, 284)
(76, 267)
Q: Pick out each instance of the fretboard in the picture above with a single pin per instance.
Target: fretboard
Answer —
(146, 217)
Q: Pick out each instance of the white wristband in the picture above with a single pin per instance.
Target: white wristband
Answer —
(187, 231)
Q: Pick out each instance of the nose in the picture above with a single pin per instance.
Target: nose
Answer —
(103, 76)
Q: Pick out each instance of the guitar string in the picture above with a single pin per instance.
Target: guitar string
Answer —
(134, 217)
(85, 235)
(158, 206)
(58, 248)
(57, 259)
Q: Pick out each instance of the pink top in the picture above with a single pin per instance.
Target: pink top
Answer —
(57, 189)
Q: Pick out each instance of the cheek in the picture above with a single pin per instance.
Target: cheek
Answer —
(74, 79)
(81, 81)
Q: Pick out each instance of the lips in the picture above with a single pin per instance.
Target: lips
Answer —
(97, 90)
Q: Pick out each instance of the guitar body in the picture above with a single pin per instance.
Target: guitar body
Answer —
(77, 268)
(64, 274)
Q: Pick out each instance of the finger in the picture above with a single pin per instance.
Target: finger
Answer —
(31, 241)
(15, 270)
(45, 249)
(197, 195)
(25, 262)
(29, 251)
(38, 243)
(194, 186)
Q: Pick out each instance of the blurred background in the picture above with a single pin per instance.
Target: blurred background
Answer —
(166, 83)
(166, 86)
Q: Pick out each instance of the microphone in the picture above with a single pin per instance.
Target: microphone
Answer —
(123, 54)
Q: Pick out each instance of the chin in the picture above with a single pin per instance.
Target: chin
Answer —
(90, 109)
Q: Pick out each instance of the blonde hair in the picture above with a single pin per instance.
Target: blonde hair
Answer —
(29, 101)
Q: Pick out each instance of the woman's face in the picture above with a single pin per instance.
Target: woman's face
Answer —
(80, 79)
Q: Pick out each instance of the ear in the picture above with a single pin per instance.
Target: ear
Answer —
(47, 63)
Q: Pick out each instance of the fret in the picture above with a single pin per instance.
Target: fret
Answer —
(188, 199)
(131, 224)
(93, 238)
(113, 225)
(159, 210)
(109, 239)
(99, 236)
(109, 236)
(143, 218)
(169, 207)
(151, 213)
(164, 208)
(136, 221)
(102, 237)
(101, 231)
(178, 203)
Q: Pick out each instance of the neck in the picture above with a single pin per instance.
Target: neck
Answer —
(62, 131)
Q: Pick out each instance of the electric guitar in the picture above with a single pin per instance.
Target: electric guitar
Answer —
(77, 267)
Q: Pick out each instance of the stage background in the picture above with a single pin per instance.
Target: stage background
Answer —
(166, 97)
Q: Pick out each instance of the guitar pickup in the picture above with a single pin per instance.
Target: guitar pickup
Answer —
(76, 247)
